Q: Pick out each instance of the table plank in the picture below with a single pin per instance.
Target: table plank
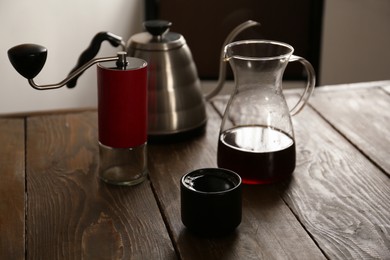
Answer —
(12, 199)
(73, 215)
(268, 230)
(340, 197)
(387, 88)
(362, 116)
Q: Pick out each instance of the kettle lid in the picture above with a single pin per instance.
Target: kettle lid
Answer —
(157, 37)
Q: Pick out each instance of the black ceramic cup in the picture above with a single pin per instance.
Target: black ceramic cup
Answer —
(211, 201)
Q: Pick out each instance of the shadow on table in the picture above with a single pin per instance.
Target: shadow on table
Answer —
(261, 194)
(193, 246)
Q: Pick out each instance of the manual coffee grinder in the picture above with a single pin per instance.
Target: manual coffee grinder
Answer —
(122, 109)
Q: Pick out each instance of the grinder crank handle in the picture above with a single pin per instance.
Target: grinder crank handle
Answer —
(29, 59)
(92, 51)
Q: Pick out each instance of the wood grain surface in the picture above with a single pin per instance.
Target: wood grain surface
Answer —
(386, 87)
(340, 197)
(362, 116)
(71, 213)
(12, 184)
(335, 206)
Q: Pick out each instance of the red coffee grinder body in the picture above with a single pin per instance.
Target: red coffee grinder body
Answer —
(122, 117)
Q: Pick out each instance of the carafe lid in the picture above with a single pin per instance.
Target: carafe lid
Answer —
(157, 37)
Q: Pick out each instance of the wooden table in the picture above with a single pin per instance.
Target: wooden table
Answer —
(337, 205)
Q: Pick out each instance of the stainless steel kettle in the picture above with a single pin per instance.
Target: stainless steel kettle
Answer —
(176, 104)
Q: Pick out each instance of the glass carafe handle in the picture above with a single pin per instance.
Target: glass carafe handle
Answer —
(311, 81)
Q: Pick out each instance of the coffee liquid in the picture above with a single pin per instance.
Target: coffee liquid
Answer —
(210, 183)
(259, 154)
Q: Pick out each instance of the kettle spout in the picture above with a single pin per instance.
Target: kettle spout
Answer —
(222, 64)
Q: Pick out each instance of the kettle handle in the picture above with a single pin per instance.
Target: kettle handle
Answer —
(222, 64)
(92, 51)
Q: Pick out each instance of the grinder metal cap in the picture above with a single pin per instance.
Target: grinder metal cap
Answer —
(157, 37)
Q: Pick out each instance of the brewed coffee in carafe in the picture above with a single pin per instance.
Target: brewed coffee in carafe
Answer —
(256, 138)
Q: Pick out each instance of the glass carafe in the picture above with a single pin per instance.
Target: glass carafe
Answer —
(256, 138)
